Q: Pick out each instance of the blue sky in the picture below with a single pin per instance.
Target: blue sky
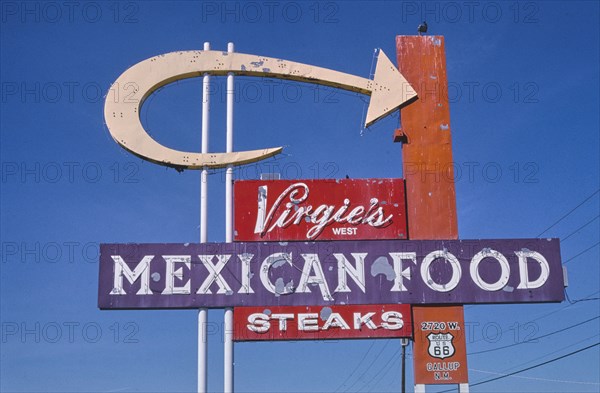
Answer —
(524, 90)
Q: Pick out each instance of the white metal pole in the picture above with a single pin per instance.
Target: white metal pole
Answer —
(205, 129)
(202, 344)
(228, 318)
(229, 149)
(203, 312)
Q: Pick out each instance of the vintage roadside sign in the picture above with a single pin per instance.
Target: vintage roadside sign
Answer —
(322, 322)
(439, 355)
(388, 91)
(219, 275)
(327, 209)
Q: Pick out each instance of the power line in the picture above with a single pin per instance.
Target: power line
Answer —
(355, 368)
(537, 365)
(540, 317)
(580, 228)
(544, 231)
(538, 378)
(536, 338)
(381, 369)
(368, 368)
(586, 299)
(532, 361)
(570, 211)
(581, 253)
(531, 367)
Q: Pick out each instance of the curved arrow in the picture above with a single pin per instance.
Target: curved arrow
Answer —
(389, 90)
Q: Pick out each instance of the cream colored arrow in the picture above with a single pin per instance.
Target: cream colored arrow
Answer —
(389, 90)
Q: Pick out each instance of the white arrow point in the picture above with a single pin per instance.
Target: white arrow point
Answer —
(390, 90)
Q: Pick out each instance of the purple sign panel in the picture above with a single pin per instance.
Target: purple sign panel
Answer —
(217, 275)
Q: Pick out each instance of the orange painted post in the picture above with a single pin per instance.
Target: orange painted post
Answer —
(427, 161)
(427, 151)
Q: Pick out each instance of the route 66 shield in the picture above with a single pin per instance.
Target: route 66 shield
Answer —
(440, 345)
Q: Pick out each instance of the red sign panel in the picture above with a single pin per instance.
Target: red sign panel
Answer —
(344, 209)
(440, 350)
(322, 323)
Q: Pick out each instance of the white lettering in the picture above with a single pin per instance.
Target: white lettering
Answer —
(214, 274)
(397, 257)
(245, 260)
(392, 320)
(122, 270)
(172, 273)
(265, 267)
(335, 320)
(345, 269)
(282, 320)
(524, 271)
(259, 323)
(426, 274)
(308, 322)
(504, 272)
(321, 216)
(364, 320)
(312, 263)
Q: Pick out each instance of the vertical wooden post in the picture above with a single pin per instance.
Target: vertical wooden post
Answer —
(427, 142)
(427, 151)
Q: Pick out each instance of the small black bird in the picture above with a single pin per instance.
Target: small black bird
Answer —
(422, 28)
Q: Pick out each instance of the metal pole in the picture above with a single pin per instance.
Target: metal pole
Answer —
(228, 318)
(203, 312)
(205, 129)
(403, 343)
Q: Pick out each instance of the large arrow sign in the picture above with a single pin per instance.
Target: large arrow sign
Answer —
(389, 90)
(328, 273)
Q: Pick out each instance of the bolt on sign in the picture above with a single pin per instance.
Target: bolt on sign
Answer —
(219, 275)
(322, 322)
(439, 352)
(329, 209)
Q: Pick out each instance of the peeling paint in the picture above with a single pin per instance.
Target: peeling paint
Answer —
(283, 289)
(266, 70)
(508, 288)
(383, 266)
(444, 126)
(278, 261)
(266, 311)
(257, 63)
(155, 276)
(325, 313)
